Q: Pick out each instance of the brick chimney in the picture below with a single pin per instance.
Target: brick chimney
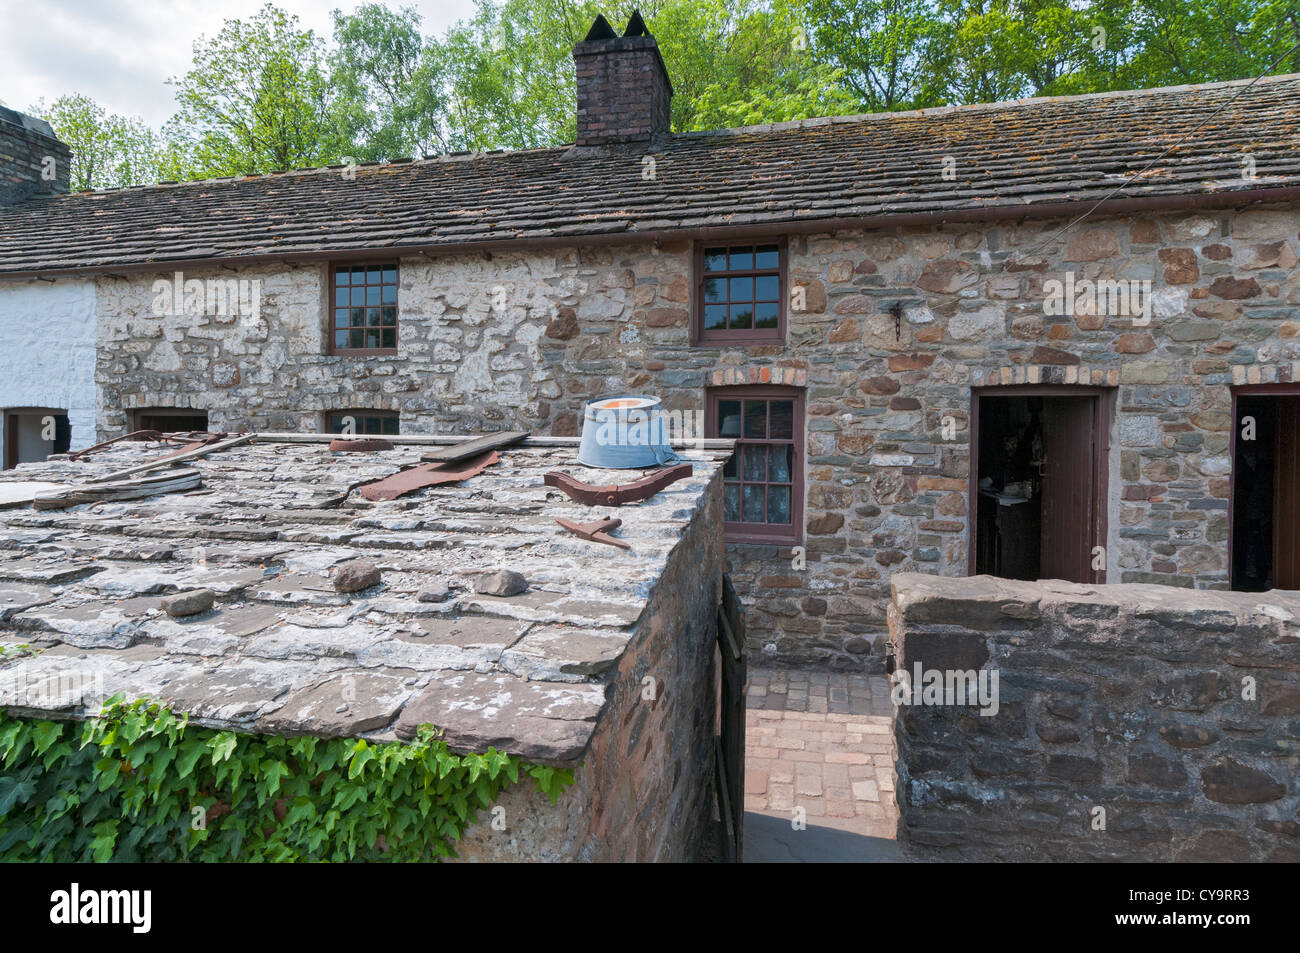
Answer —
(623, 87)
(32, 159)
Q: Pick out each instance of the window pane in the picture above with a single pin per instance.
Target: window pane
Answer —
(358, 296)
(782, 419)
(340, 317)
(372, 294)
(373, 317)
(731, 503)
(731, 470)
(754, 504)
(755, 418)
(741, 258)
(390, 294)
(742, 316)
(767, 288)
(341, 276)
(372, 337)
(715, 289)
(358, 275)
(391, 425)
(767, 314)
(781, 457)
(742, 289)
(358, 317)
(768, 256)
(341, 296)
(340, 338)
(755, 463)
(715, 316)
(372, 275)
(357, 339)
(778, 504)
(390, 275)
(715, 259)
(390, 317)
(390, 337)
(729, 418)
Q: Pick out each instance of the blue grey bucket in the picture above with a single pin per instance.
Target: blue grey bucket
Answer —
(624, 432)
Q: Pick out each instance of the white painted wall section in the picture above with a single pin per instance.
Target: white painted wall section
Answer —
(47, 350)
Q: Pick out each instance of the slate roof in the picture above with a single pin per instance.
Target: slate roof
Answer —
(1011, 155)
(281, 651)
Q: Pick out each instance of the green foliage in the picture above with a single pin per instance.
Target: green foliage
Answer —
(139, 784)
(108, 151)
(257, 99)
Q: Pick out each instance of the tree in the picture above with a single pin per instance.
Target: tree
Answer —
(387, 84)
(108, 150)
(257, 99)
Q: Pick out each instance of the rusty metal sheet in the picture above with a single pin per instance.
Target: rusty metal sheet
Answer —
(597, 531)
(429, 474)
(616, 494)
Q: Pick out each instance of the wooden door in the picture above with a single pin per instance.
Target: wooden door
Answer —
(1286, 496)
(1071, 481)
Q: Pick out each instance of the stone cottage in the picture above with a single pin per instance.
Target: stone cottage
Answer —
(1048, 338)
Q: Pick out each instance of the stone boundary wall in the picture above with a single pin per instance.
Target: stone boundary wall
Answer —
(645, 789)
(1128, 699)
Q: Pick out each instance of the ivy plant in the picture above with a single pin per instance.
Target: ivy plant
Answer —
(138, 783)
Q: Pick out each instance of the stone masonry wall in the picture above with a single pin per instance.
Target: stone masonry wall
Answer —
(645, 789)
(898, 326)
(1133, 722)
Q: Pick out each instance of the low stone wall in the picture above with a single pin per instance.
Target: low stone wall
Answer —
(645, 789)
(1132, 722)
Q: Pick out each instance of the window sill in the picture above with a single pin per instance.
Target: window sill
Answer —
(365, 352)
(731, 533)
(737, 341)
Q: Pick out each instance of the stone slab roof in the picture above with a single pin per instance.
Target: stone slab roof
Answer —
(281, 651)
(1013, 156)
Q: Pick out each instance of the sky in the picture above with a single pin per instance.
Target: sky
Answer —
(122, 52)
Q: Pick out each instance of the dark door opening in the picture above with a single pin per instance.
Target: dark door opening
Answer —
(1266, 492)
(31, 434)
(169, 420)
(1039, 468)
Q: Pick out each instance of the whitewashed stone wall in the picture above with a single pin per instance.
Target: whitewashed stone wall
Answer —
(47, 350)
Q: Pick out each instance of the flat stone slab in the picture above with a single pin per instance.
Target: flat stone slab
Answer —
(15, 598)
(469, 631)
(539, 721)
(342, 705)
(564, 653)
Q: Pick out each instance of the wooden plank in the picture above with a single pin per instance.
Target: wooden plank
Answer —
(427, 474)
(174, 482)
(471, 448)
(171, 460)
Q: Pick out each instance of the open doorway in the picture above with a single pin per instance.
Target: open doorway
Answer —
(1039, 461)
(1265, 504)
(31, 434)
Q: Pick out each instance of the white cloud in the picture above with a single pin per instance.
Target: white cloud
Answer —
(122, 52)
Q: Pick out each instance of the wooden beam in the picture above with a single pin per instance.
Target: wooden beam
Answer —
(472, 448)
(170, 460)
(174, 482)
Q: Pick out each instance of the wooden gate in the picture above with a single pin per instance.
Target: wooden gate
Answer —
(730, 740)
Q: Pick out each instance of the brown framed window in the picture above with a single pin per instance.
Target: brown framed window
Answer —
(363, 309)
(740, 293)
(763, 481)
(385, 423)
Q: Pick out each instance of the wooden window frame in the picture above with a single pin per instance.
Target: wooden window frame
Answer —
(394, 415)
(333, 267)
(771, 534)
(703, 338)
(1235, 391)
